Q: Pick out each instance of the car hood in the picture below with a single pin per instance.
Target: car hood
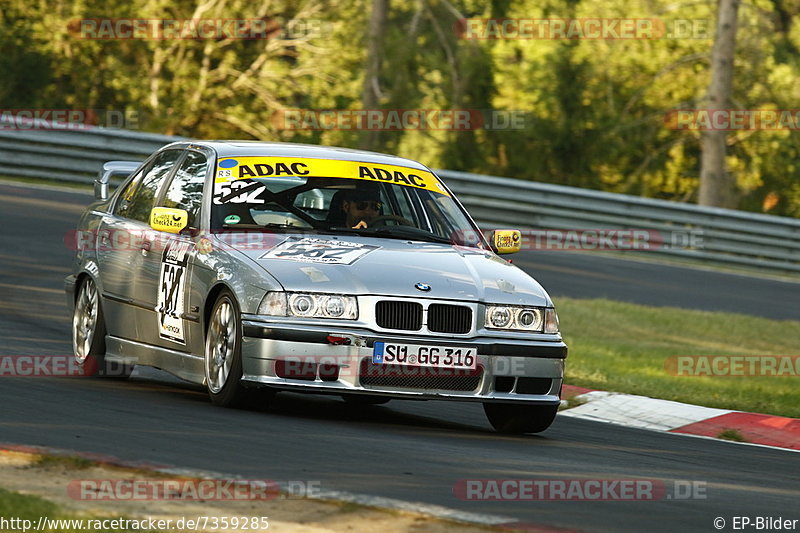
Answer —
(378, 266)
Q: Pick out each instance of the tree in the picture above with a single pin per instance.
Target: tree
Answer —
(716, 185)
(371, 94)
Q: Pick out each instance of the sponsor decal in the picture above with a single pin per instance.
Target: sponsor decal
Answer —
(241, 168)
(164, 219)
(172, 291)
(311, 250)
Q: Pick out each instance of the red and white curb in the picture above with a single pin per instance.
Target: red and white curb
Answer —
(675, 417)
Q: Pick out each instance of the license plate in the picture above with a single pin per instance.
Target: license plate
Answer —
(390, 353)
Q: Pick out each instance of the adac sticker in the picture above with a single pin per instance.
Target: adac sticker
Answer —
(240, 168)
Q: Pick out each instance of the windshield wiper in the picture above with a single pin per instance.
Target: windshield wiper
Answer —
(271, 225)
(403, 232)
(277, 225)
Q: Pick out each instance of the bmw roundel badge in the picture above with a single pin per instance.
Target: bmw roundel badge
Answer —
(424, 287)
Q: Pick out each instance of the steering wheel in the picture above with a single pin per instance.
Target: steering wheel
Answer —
(381, 220)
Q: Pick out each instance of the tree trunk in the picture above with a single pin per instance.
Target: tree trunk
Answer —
(717, 187)
(370, 97)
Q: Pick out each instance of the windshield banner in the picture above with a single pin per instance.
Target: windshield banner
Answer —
(237, 168)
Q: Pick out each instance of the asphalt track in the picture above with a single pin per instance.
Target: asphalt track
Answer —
(415, 451)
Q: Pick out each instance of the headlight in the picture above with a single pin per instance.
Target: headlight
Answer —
(302, 305)
(309, 305)
(499, 317)
(334, 306)
(515, 318)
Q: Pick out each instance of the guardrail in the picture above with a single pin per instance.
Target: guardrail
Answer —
(31, 150)
(726, 236)
(723, 236)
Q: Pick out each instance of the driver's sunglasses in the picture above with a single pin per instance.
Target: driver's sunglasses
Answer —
(363, 205)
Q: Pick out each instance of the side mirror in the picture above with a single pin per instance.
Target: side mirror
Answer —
(112, 168)
(506, 241)
(168, 219)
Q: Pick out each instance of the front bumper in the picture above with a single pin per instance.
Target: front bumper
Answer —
(338, 361)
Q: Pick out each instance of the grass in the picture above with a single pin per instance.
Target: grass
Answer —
(20, 507)
(624, 347)
(731, 434)
(25, 507)
(64, 461)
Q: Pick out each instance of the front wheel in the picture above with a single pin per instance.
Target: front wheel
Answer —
(223, 354)
(514, 418)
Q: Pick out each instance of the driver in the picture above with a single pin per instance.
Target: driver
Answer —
(361, 206)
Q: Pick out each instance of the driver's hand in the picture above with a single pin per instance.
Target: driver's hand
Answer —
(360, 225)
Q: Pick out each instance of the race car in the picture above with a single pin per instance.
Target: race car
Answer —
(255, 267)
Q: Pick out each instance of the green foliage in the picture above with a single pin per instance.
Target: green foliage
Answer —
(20, 53)
(626, 348)
(62, 461)
(594, 109)
(25, 507)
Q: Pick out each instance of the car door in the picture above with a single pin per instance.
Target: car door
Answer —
(121, 243)
(172, 319)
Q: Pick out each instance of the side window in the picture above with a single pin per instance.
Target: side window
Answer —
(136, 204)
(126, 196)
(186, 189)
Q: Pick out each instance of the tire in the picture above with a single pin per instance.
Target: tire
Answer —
(89, 334)
(358, 399)
(223, 355)
(516, 419)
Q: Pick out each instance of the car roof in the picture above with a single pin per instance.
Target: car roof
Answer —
(273, 149)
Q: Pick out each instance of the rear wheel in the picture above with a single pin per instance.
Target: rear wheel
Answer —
(514, 418)
(89, 334)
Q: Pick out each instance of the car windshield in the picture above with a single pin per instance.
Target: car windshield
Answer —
(375, 200)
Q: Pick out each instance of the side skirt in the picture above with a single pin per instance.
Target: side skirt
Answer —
(183, 365)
